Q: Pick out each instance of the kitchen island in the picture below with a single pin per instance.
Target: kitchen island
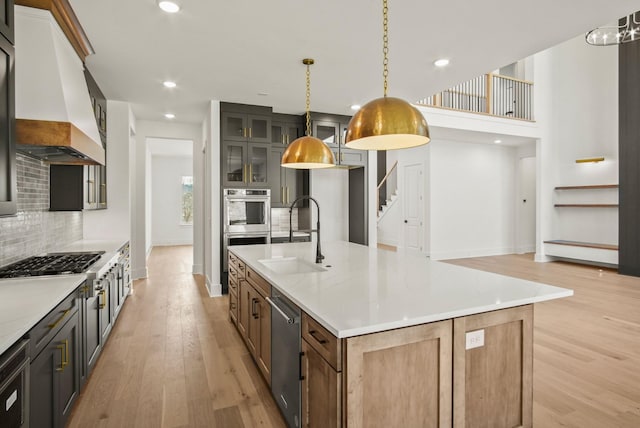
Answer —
(391, 339)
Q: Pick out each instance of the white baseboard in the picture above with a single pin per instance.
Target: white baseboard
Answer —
(541, 258)
(388, 241)
(215, 290)
(526, 249)
(463, 254)
(197, 269)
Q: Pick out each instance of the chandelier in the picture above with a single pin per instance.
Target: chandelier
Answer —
(616, 35)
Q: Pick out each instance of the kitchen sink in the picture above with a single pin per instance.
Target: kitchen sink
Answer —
(290, 265)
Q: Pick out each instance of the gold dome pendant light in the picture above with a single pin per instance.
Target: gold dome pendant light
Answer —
(308, 152)
(387, 123)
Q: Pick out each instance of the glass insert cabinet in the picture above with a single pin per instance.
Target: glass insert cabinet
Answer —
(245, 164)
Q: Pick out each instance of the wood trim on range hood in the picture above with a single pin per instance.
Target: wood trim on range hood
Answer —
(39, 135)
(68, 21)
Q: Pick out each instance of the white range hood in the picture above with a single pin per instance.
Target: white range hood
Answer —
(54, 115)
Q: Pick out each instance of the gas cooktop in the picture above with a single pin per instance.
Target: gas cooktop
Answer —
(51, 264)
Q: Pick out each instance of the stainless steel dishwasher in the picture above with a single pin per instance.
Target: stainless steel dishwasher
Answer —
(286, 385)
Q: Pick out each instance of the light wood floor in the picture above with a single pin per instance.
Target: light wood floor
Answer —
(174, 359)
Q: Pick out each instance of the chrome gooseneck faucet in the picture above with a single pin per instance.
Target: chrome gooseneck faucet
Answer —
(319, 256)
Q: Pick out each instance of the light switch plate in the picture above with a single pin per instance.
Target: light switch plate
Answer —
(475, 339)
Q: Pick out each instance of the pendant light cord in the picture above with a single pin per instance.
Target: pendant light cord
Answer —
(385, 44)
(308, 107)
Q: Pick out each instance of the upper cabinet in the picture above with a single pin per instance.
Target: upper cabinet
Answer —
(246, 127)
(8, 192)
(332, 129)
(6, 19)
(285, 129)
(245, 164)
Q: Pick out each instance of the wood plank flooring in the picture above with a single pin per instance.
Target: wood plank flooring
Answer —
(174, 359)
(586, 348)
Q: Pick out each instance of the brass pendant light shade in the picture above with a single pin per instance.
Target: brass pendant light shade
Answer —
(308, 152)
(387, 123)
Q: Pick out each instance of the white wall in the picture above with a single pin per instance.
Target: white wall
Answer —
(166, 205)
(149, 129)
(330, 187)
(210, 132)
(115, 221)
(576, 93)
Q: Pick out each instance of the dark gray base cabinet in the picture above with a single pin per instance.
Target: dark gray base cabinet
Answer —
(55, 377)
(93, 334)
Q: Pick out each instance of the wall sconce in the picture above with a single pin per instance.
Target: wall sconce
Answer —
(587, 160)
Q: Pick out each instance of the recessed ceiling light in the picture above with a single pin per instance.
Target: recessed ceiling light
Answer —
(443, 62)
(169, 115)
(169, 6)
(355, 107)
(263, 93)
(497, 141)
(169, 84)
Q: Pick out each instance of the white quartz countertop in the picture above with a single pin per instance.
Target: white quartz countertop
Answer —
(109, 246)
(367, 290)
(25, 301)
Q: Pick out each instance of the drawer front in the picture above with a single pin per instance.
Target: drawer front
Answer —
(233, 274)
(233, 307)
(327, 345)
(233, 260)
(242, 270)
(46, 329)
(233, 284)
(261, 285)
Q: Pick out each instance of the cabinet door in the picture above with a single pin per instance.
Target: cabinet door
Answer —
(258, 164)
(329, 132)
(233, 306)
(493, 383)
(42, 375)
(292, 132)
(8, 192)
(278, 133)
(234, 170)
(90, 193)
(293, 184)
(259, 128)
(407, 369)
(353, 157)
(263, 348)
(104, 304)
(68, 379)
(244, 301)
(275, 177)
(234, 127)
(6, 19)
(321, 391)
(93, 333)
(101, 176)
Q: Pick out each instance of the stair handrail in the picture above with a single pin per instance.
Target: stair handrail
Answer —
(384, 180)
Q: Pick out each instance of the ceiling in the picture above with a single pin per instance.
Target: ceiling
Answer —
(249, 51)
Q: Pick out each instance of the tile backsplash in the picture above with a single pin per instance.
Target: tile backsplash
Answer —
(280, 219)
(35, 229)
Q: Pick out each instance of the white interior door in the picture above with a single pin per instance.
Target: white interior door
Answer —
(527, 206)
(413, 207)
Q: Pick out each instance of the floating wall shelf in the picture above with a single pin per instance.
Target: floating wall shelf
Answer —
(583, 244)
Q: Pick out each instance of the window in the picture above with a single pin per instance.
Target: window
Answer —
(187, 200)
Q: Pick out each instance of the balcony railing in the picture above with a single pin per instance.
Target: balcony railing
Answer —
(488, 94)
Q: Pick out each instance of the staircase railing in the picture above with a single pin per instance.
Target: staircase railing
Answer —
(492, 94)
(390, 181)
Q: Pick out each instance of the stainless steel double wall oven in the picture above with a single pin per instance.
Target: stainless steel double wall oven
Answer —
(246, 220)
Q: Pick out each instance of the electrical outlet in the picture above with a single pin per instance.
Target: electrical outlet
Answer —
(475, 339)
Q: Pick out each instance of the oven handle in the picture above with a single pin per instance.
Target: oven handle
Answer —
(277, 308)
(247, 235)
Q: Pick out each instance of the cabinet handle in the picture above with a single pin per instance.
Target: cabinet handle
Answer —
(233, 305)
(282, 194)
(101, 305)
(300, 371)
(250, 173)
(253, 308)
(250, 133)
(318, 338)
(62, 363)
(283, 139)
(66, 351)
(244, 132)
(287, 194)
(55, 324)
